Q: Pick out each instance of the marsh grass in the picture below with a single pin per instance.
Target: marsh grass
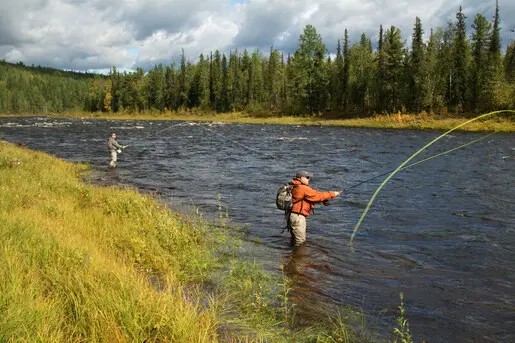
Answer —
(402, 331)
(83, 263)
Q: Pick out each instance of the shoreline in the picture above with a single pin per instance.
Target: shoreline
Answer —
(499, 123)
(110, 263)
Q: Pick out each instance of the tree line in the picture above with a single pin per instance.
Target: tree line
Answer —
(451, 72)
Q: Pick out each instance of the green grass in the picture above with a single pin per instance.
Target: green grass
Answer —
(83, 263)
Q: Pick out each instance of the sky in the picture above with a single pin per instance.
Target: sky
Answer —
(95, 35)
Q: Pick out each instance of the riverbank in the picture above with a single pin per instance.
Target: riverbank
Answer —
(109, 264)
(497, 123)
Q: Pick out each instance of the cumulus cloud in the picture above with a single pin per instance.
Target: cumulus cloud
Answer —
(98, 34)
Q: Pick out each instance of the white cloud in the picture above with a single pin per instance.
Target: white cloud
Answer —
(98, 34)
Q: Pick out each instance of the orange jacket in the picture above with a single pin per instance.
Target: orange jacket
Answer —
(304, 197)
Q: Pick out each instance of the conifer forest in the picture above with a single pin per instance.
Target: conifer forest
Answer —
(450, 70)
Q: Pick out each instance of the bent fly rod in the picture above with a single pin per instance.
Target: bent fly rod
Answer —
(423, 160)
(405, 163)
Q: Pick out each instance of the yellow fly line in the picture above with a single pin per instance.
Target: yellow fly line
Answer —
(403, 164)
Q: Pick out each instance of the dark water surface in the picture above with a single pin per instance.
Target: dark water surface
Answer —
(442, 232)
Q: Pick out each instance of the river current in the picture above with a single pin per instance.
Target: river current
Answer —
(441, 232)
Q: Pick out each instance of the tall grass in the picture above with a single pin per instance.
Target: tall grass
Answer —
(83, 263)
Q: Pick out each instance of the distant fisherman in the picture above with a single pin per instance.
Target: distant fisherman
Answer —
(303, 199)
(114, 149)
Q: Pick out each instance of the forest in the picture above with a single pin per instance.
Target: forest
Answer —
(450, 72)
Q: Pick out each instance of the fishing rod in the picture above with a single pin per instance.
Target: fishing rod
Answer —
(423, 160)
(403, 164)
(238, 143)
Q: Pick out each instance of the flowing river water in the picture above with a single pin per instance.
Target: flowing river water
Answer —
(441, 232)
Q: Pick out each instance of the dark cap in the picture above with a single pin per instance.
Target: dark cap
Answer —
(303, 173)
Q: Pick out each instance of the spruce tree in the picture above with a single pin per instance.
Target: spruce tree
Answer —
(417, 70)
(394, 57)
(461, 58)
(310, 73)
(346, 68)
(362, 76)
(183, 91)
(381, 93)
(493, 84)
(337, 89)
(480, 49)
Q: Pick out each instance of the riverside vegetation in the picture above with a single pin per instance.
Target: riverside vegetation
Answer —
(85, 263)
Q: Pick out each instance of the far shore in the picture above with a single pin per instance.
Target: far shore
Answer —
(496, 123)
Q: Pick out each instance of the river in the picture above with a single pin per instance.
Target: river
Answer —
(441, 232)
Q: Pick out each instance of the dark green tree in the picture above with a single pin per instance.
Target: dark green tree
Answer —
(417, 70)
(363, 71)
(394, 57)
(381, 73)
(461, 64)
(310, 75)
(479, 68)
(345, 72)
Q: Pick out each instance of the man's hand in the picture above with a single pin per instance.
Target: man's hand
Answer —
(336, 193)
(118, 151)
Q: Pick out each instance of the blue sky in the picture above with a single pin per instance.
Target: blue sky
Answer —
(96, 35)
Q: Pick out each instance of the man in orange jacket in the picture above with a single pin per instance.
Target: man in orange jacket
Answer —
(303, 201)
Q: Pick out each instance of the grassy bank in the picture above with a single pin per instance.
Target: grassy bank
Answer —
(82, 263)
(498, 123)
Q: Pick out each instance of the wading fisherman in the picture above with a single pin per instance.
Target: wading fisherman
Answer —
(303, 200)
(114, 149)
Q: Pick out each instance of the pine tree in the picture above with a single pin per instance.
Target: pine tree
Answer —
(199, 88)
(417, 70)
(257, 80)
(155, 88)
(345, 74)
(461, 58)
(234, 81)
(171, 88)
(114, 76)
(394, 55)
(183, 90)
(493, 88)
(273, 79)
(215, 81)
(381, 93)
(363, 70)
(337, 89)
(480, 48)
(434, 80)
(225, 85)
(245, 77)
(445, 64)
(310, 74)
